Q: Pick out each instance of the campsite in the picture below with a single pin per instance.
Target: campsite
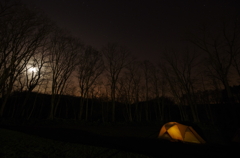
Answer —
(119, 78)
(100, 137)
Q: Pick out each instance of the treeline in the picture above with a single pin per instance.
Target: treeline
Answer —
(99, 110)
(95, 109)
(41, 64)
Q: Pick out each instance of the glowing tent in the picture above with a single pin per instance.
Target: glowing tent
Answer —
(178, 132)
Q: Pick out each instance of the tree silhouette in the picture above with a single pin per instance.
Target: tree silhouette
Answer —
(147, 66)
(181, 78)
(63, 54)
(220, 46)
(116, 59)
(90, 67)
(22, 32)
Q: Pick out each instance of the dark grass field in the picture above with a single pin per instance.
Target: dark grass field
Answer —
(99, 141)
(17, 144)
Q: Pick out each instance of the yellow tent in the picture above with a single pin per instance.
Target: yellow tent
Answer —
(178, 132)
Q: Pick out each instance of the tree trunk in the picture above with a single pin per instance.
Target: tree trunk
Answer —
(51, 113)
(86, 117)
(81, 108)
(32, 109)
(113, 111)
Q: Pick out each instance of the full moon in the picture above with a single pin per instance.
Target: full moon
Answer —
(32, 69)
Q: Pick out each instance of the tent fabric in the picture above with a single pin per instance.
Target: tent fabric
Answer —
(178, 132)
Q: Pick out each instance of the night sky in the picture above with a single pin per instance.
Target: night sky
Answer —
(145, 27)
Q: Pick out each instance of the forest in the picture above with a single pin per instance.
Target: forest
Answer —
(47, 73)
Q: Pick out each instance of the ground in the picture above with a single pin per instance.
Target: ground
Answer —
(113, 140)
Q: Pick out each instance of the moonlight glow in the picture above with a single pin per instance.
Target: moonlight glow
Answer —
(32, 69)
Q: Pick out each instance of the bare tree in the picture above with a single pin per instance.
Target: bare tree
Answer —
(147, 66)
(21, 34)
(90, 67)
(221, 51)
(63, 54)
(116, 58)
(182, 79)
(35, 74)
(221, 46)
(129, 89)
(157, 83)
(125, 94)
(104, 97)
(135, 75)
(174, 90)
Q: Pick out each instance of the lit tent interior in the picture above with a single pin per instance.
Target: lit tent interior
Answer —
(174, 131)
